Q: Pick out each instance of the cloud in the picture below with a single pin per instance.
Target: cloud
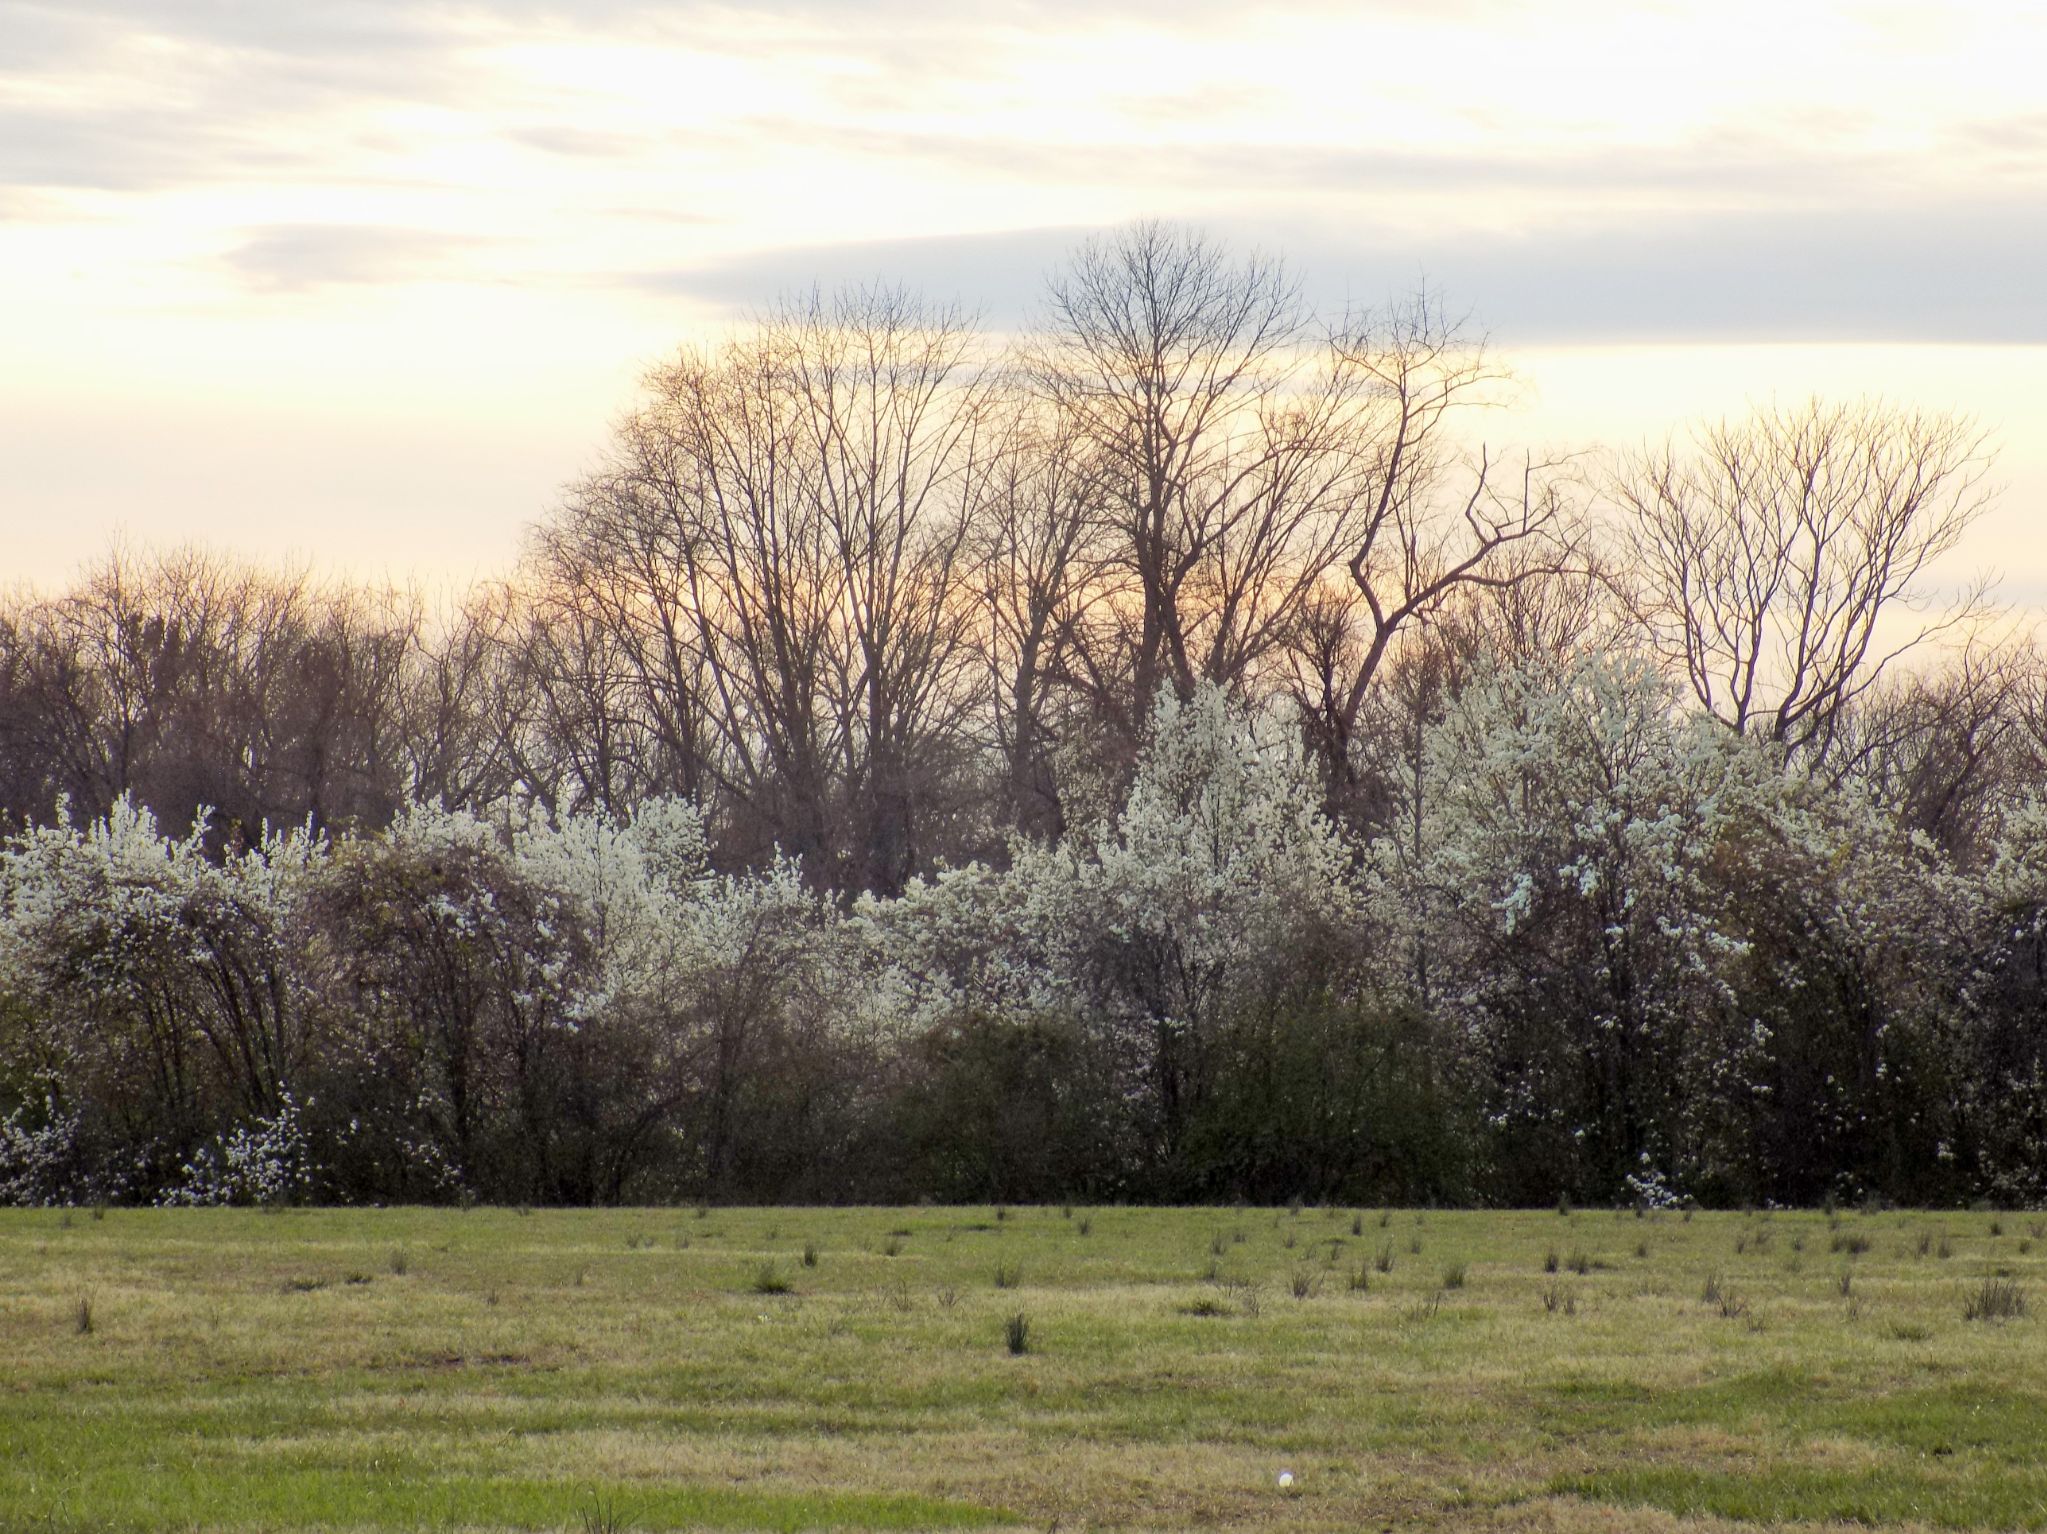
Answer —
(1728, 167)
(137, 149)
(1001, 275)
(1927, 272)
(295, 257)
(1964, 273)
(1787, 223)
(575, 143)
(132, 96)
(79, 32)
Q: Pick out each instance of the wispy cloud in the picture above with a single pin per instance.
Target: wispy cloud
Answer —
(138, 149)
(297, 257)
(1954, 272)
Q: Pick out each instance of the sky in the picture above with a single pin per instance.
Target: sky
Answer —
(363, 283)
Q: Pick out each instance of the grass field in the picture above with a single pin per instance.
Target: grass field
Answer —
(796, 1369)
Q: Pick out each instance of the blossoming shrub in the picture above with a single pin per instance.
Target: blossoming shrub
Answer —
(152, 986)
(1590, 945)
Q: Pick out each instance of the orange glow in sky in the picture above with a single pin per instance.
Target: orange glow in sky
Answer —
(366, 282)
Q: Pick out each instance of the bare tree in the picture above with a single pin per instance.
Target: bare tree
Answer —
(1434, 520)
(460, 714)
(1222, 433)
(1944, 748)
(1041, 568)
(190, 681)
(49, 742)
(775, 554)
(1784, 560)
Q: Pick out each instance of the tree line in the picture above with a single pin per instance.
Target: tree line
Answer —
(1159, 756)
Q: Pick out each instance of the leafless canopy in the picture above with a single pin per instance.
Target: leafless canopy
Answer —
(771, 568)
(1273, 497)
(1436, 518)
(1784, 560)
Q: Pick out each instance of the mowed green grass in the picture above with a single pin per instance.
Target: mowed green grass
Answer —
(487, 1369)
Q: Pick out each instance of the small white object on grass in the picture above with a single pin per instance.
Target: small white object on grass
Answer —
(1286, 1480)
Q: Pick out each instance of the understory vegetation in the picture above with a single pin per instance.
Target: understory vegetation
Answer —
(1013, 1366)
(1620, 956)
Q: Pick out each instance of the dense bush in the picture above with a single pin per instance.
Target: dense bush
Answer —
(1617, 948)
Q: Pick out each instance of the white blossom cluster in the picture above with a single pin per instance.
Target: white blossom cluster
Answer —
(1614, 920)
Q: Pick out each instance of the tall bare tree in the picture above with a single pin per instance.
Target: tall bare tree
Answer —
(1223, 432)
(1944, 748)
(1042, 570)
(777, 551)
(459, 716)
(1436, 520)
(1785, 560)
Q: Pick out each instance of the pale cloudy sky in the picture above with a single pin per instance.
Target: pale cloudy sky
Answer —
(366, 280)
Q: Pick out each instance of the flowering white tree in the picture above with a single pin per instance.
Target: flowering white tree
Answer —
(632, 881)
(454, 979)
(746, 1004)
(39, 1155)
(157, 981)
(269, 1161)
(1565, 897)
(1681, 963)
(1220, 874)
(1219, 889)
(2006, 1040)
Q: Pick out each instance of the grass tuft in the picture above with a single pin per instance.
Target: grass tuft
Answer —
(1995, 1299)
